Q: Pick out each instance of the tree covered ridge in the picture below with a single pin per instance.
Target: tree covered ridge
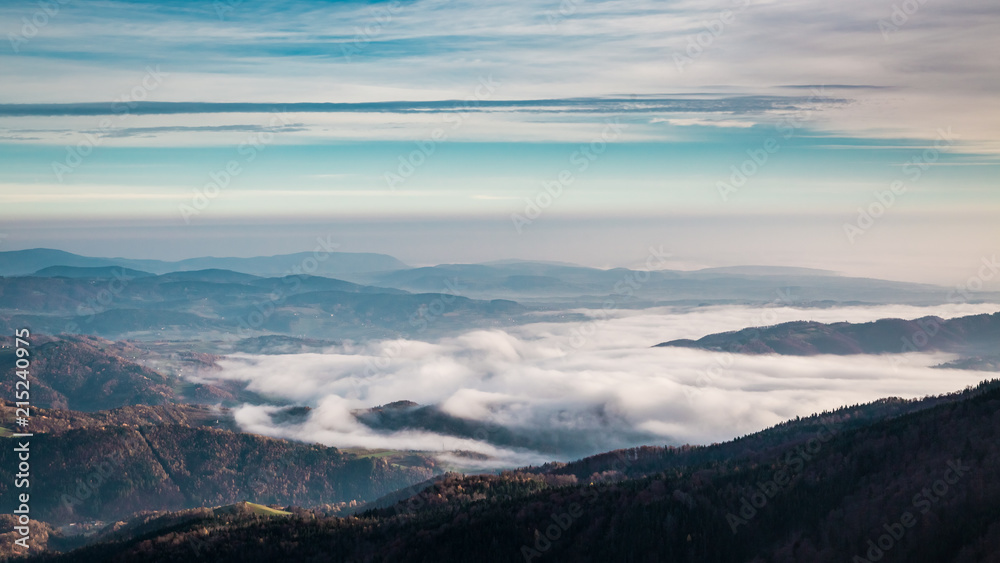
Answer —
(111, 472)
(828, 494)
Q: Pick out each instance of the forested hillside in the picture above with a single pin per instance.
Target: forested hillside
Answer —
(921, 487)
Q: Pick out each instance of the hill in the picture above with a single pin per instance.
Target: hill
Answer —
(88, 373)
(95, 272)
(922, 486)
(221, 305)
(23, 262)
(104, 468)
(972, 335)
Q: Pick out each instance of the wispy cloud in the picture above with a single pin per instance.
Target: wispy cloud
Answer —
(703, 122)
(150, 131)
(433, 49)
(559, 78)
(648, 104)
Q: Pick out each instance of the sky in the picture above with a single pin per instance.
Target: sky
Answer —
(857, 136)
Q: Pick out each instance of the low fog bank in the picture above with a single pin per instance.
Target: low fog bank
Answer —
(560, 391)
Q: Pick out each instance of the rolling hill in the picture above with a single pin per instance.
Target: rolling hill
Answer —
(972, 335)
(222, 304)
(88, 373)
(918, 484)
(167, 466)
(24, 262)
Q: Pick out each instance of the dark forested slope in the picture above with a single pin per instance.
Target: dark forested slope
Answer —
(972, 335)
(921, 487)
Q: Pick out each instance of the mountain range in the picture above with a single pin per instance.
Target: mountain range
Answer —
(970, 336)
(206, 304)
(321, 262)
(909, 481)
(164, 458)
(57, 292)
(142, 459)
(518, 280)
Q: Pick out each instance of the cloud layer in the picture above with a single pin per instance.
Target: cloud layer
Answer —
(897, 68)
(583, 388)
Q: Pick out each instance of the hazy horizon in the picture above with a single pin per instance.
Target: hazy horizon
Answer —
(691, 242)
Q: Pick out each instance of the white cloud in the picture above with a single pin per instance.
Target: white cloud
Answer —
(937, 68)
(608, 390)
(704, 122)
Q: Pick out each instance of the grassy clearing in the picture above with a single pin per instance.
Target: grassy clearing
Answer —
(264, 510)
(252, 507)
(362, 453)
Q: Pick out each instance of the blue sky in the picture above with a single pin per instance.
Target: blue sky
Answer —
(349, 115)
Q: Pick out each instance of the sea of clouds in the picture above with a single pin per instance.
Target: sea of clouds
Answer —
(580, 388)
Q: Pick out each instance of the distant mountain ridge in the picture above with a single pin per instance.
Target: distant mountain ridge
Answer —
(165, 466)
(518, 280)
(87, 373)
(766, 271)
(971, 335)
(26, 262)
(222, 305)
(90, 272)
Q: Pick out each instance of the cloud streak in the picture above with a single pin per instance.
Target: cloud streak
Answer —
(647, 104)
(431, 49)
